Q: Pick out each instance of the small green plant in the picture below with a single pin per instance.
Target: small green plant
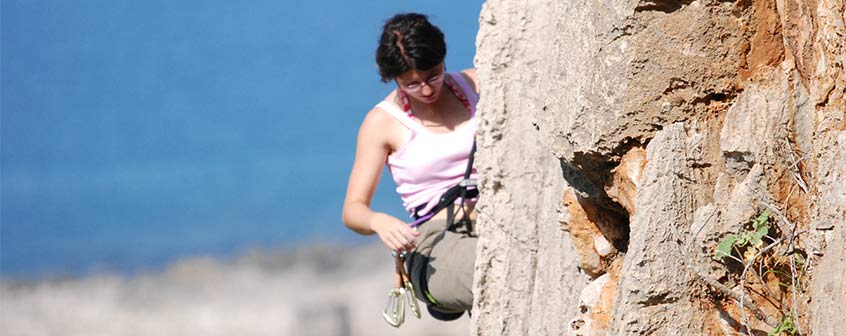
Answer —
(786, 326)
(752, 238)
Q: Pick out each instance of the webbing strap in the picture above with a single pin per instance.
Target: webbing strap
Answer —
(464, 189)
(450, 215)
(469, 169)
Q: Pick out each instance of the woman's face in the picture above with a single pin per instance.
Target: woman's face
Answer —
(424, 86)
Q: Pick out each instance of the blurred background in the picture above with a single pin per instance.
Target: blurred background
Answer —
(180, 166)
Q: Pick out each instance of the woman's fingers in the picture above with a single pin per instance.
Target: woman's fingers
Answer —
(401, 240)
(393, 241)
(408, 234)
(405, 242)
(395, 245)
(396, 234)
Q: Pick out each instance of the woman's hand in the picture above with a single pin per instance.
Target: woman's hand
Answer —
(396, 234)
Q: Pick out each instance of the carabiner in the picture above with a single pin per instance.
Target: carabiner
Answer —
(412, 300)
(394, 312)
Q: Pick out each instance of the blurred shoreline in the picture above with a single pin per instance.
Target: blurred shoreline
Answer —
(281, 252)
(309, 289)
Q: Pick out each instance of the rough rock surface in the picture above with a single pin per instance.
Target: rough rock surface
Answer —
(654, 285)
(527, 278)
(644, 132)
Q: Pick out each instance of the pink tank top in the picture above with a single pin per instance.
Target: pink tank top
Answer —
(430, 163)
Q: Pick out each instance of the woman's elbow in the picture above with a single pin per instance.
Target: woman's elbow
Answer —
(348, 218)
(345, 217)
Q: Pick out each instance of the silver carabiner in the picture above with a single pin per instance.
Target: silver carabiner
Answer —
(394, 312)
(412, 300)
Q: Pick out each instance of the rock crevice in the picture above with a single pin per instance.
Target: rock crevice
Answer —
(622, 142)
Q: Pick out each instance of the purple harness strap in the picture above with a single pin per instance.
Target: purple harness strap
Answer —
(421, 220)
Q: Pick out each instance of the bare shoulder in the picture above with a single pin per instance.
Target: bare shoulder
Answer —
(381, 129)
(378, 118)
(470, 74)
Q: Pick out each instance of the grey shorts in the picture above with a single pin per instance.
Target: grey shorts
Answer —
(445, 259)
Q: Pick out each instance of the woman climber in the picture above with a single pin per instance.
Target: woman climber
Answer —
(424, 131)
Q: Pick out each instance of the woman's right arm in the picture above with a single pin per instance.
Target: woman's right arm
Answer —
(372, 149)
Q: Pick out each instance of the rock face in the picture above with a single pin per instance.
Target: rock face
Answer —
(645, 133)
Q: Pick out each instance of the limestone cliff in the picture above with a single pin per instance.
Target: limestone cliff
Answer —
(624, 142)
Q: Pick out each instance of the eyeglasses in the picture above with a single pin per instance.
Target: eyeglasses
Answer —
(417, 86)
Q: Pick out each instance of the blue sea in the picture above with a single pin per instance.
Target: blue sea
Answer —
(136, 133)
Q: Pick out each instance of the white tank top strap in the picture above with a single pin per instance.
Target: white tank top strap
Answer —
(398, 114)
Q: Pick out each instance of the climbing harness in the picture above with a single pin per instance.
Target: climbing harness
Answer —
(394, 312)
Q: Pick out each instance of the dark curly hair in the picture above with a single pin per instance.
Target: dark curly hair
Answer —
(409, 41)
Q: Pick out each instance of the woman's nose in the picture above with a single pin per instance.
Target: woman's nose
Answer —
(427, 89)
